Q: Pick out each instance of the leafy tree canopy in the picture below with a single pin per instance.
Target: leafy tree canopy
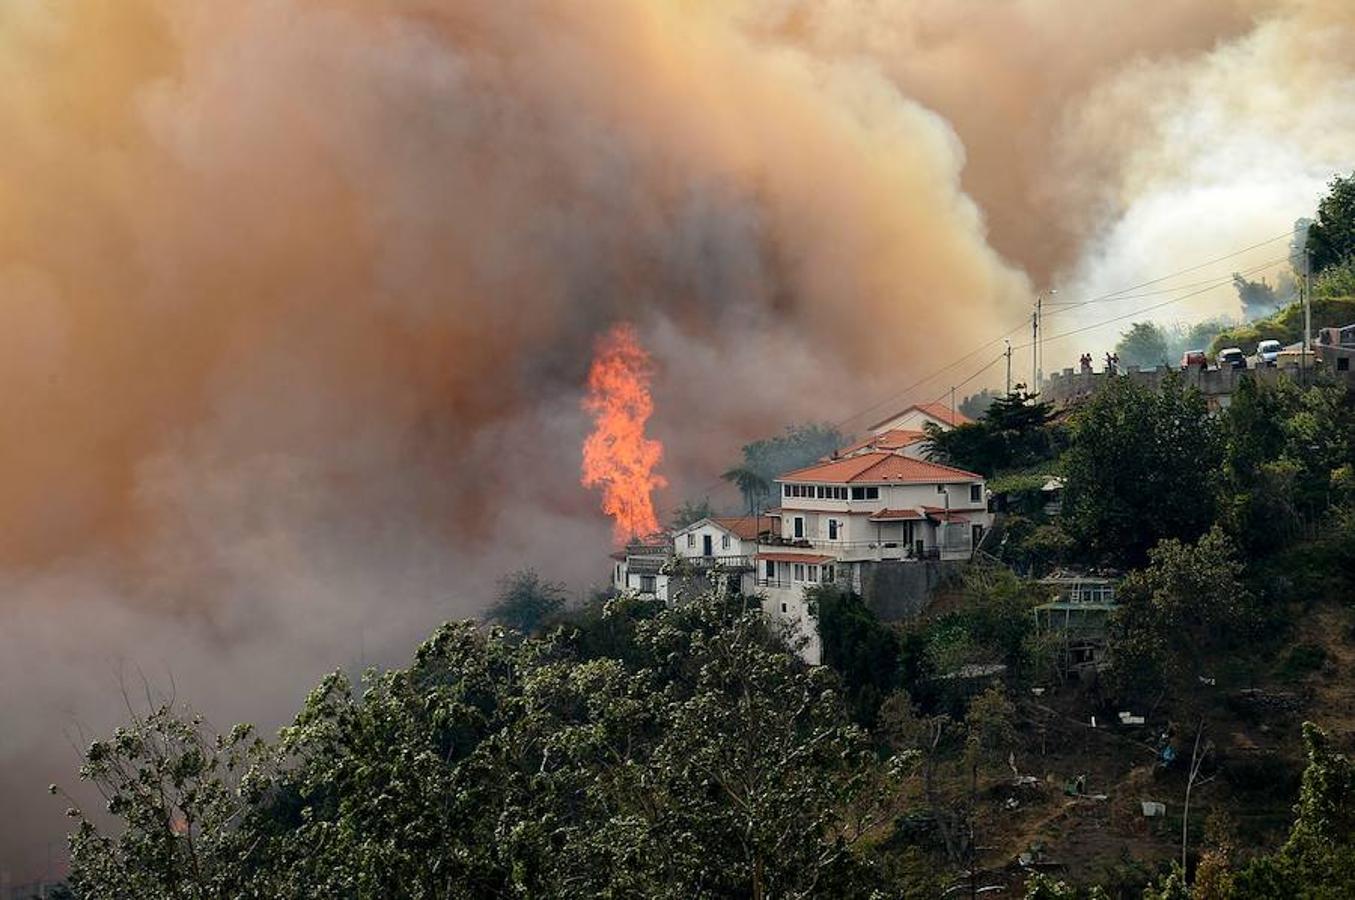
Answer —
(1331, 239)
(766, 459)
(689, 512)
(704, 759)
(1015, 432)
(526, 602)
(1137, 470)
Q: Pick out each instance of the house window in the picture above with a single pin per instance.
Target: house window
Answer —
(832, 529)
(842, 493)
(858, 493)
(724, 542)
(799, 571)
(872, 493)
(829, 573)
(813, 572)
(647, 584)
(976, 493)
(940, 488)
(799, 526)
(771, 568)
(691, 540)
(783, 608)
(785, 490)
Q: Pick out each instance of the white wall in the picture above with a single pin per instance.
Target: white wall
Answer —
(788, 606)
(689, 543)
(910, 420)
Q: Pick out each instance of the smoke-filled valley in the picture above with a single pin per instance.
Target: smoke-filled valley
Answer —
(299, 298)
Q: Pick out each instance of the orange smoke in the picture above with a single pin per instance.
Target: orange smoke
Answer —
(617, 456)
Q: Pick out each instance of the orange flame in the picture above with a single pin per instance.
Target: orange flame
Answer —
(617, 456)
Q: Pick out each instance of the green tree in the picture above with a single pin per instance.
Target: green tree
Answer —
(1331, 239)
(1138, 470)
(1189, 603)
(766, 459)
(1146, 345)
(859, 647)
(179, 792)
(690, 512)
(703, 759)
(1016, 432)
(753, 485)
(1257, 486)
(525, 602)
(1317, 862)
(1336, 281)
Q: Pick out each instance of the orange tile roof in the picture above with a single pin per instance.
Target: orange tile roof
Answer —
(879, 468)
(894, 439)
(935, 410)
(745, 527)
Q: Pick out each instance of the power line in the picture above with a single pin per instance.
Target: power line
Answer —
(1210, 282)
(1119, 295)
(1113, 295)
(1202, 265)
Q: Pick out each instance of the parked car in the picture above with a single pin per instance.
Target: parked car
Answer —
(1267, 352)
(1232, 357)
(1194, 358)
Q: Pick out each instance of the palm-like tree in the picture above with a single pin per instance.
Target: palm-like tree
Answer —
(751, 483)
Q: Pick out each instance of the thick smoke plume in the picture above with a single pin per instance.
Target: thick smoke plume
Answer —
(299, 297)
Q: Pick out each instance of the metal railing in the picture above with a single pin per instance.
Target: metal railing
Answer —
(710, 562)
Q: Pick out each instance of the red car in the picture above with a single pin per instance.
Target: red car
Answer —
(1194, 358)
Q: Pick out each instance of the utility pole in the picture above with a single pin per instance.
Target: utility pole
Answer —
(1307, 305)
(1035, 349)
(1009, 367)
(952, 406)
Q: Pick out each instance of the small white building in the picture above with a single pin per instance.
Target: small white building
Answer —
(918, 416)
(638, 568)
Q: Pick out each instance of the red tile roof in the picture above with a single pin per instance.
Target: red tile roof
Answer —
(935, 410)
(745, 527)
(812, 558)
(879, 468)
(894, 439)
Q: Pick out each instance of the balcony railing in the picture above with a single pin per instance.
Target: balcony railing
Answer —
(711, 562)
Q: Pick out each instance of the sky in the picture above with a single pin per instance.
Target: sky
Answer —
(299, 298)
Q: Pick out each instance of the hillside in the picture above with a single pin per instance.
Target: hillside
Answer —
(1286, 324)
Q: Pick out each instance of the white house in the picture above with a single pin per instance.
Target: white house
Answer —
(638, 568)
(918, 416)
(875, 506)
(875, 501)
(729, 542)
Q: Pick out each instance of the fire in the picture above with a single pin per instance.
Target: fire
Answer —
(617, 456)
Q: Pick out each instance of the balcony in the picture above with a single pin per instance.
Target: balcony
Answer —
(874, 550)
(729, 563)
